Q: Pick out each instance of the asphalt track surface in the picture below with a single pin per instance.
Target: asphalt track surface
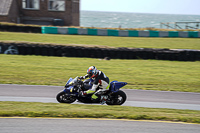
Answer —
(137, 98)
(49, 125)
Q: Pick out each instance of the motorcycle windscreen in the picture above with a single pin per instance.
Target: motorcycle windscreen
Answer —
(70, 79)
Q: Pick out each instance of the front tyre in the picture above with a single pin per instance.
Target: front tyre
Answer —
(118, 98)
(62, 97)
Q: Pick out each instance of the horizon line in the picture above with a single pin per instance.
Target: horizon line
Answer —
(140, 12)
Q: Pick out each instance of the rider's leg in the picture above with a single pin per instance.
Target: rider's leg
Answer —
(103, 89)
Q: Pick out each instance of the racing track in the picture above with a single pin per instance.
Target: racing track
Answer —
(138, 98)
(49, 125)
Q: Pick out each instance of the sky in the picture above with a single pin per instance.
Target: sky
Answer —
(189, 7)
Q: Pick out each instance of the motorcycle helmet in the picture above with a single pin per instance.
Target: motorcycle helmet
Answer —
(92, 72)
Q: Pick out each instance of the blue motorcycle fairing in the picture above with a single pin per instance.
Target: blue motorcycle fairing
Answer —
(68, 89)
(115, 85)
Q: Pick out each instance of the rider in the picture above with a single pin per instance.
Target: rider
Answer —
(100, 80)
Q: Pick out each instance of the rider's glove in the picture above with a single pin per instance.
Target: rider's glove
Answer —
(82, 77)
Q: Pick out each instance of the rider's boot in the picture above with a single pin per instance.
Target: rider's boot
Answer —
(103, 99)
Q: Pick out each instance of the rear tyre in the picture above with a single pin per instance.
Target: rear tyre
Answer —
(117, 98)
(62, 97)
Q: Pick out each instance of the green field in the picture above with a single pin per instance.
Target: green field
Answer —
(140, 74)
(26, 109)
(108, 41)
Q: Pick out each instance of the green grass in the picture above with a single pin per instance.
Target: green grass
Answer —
(26, 109)
(109, 41)
(140, 74)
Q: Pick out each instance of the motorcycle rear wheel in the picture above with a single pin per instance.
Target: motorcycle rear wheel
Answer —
(117, 98)
(63, 98)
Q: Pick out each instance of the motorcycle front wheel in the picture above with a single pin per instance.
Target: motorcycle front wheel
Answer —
(62, 97)
(118, 98)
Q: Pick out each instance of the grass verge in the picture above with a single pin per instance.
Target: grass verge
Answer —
(140, 74)
(107, 41)
(27, 109)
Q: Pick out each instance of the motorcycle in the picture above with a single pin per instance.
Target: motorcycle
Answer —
(73, 87)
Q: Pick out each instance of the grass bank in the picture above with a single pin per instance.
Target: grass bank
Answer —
(140, 74)
(26, 109)
(108, 41)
